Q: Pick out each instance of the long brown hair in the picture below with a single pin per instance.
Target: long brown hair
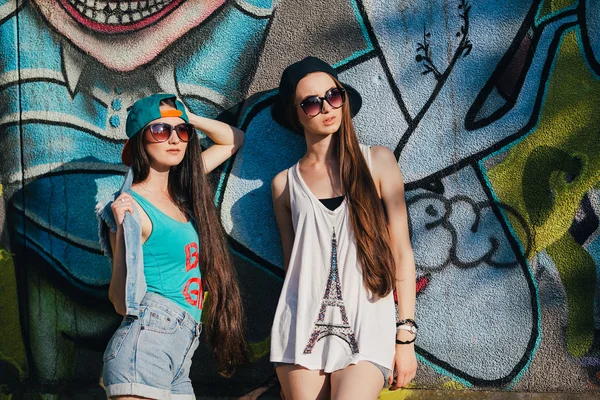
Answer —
(367, 215)
(191, 191)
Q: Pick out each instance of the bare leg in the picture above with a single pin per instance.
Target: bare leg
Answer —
(360, 381)
(299, 383)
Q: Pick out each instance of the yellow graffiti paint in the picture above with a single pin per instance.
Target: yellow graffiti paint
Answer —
(450, 384)
(260, 349)
(11, 341)
(546, 175)
(399, 394)
(551, 6)
(205, 305)
(412, 393)
(579, 286)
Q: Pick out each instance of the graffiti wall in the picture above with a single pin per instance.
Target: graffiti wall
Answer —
(491, 109)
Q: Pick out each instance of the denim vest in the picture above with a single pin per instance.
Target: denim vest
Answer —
(135, 284)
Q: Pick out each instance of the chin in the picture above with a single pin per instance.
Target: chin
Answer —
(165, 163)
(329, 130)
(324, 130)
(174, 163)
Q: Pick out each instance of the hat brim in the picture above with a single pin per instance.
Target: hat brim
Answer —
(278, 108)
(126, 157)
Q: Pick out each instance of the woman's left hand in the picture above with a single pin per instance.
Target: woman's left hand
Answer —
(226, 139)
(404, 367)
(187, 110)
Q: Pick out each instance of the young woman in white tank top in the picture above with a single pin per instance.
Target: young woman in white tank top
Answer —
(343, 222)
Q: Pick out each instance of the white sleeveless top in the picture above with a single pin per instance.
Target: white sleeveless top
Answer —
(326, 319)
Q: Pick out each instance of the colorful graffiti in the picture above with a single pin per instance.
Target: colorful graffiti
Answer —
(68, 74)
(490, 111)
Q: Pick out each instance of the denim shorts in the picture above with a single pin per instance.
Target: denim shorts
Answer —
(151, 356)
(385, 371)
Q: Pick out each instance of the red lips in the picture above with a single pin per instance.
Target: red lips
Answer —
(329, 121)
(118, 17)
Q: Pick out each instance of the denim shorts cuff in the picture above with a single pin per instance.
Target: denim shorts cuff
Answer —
(137, 389)
(183, 397)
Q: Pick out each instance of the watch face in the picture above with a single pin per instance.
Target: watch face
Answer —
(413, 329)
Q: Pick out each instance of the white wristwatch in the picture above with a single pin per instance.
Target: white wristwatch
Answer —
(406, 327)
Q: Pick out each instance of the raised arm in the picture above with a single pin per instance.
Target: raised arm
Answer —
(227, 140)
(283, 214)
(391, 186)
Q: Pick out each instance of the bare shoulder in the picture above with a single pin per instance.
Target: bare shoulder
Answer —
(382, 157)
(385, 166)
(279, 183)
(279, 189)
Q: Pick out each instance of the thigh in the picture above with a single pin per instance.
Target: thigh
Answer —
(361, 381)
(299, 383)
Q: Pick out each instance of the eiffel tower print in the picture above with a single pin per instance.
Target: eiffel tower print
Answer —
(332, 298)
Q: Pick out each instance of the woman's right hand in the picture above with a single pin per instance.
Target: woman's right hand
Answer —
(122, 204)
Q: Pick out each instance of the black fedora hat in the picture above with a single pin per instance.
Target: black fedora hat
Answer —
(289, 80)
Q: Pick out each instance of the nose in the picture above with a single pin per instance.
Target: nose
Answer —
(325, 107)
(173, 138)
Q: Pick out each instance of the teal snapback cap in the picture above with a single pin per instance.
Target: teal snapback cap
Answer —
(144, 111)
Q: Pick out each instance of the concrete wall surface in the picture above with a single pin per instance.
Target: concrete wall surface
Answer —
(492, 108)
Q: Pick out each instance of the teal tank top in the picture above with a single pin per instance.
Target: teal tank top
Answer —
(171, 256)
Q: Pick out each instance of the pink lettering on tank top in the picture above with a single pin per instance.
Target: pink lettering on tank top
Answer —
(192, 291)
(191, 256)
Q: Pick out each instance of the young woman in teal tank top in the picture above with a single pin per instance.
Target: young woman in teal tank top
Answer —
(164, 255)
(166, 239)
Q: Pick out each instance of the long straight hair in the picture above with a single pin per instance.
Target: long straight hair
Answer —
(191, 191)
(367, 215)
